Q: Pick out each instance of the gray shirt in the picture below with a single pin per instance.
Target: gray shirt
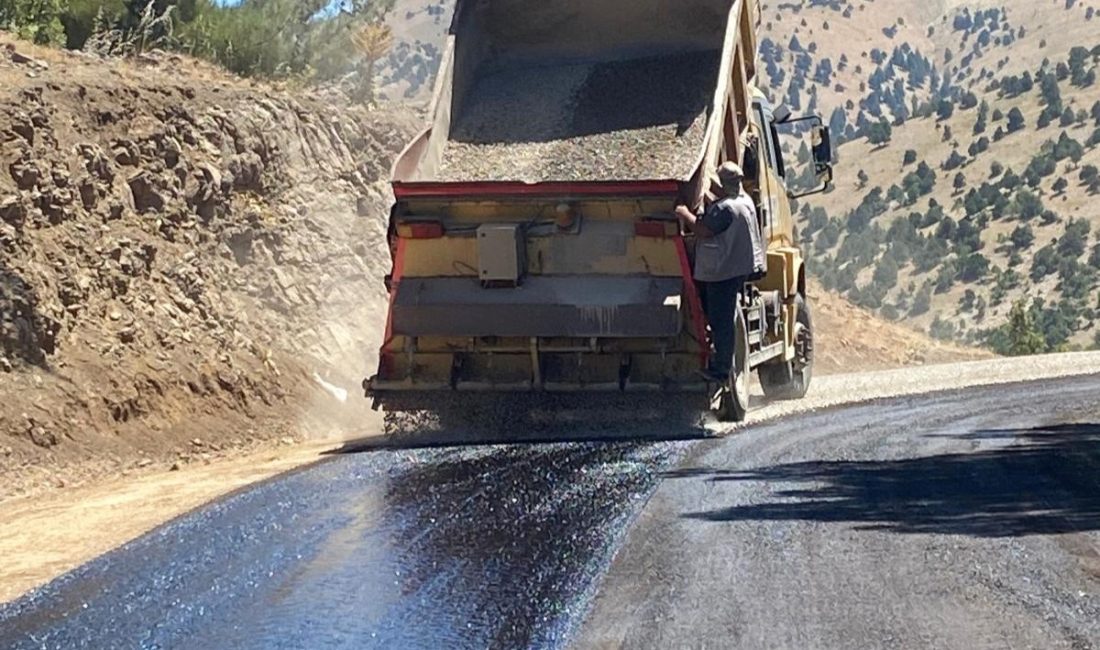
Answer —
(736, 249)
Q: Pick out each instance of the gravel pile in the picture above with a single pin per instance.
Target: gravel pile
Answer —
(626, 120)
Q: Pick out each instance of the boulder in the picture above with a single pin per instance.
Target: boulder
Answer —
(147, 197)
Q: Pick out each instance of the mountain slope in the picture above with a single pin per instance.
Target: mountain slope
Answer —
(978, 193)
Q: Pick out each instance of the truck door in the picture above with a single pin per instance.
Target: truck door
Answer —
(768, 182)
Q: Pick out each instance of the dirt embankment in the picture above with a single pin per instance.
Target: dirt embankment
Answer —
(852, 339)
(180, 252)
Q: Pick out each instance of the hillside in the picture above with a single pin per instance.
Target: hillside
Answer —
(970, 139)
(181, 254)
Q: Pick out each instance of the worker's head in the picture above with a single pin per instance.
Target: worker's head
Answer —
(730, 176)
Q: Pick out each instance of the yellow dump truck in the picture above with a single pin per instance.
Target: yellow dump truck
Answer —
(535, 249)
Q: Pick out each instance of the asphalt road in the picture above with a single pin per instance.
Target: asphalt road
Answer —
(964, 520)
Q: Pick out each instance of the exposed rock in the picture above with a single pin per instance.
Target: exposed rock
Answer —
(147, 197)
(12, 211)
(247, 170)
(89, 195)
(96, 162)
(25, 174)
(41, 436)
(19, 58)
(21, 126)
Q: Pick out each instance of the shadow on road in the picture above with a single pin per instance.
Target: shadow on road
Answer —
(1048, 482)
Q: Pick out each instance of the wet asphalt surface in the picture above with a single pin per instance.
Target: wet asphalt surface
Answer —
(956, 520)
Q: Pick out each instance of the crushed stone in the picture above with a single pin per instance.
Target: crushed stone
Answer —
(625, 120)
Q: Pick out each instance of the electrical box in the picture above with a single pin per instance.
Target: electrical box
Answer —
(501, 254)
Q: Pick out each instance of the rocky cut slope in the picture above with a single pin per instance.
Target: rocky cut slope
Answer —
(181, 253)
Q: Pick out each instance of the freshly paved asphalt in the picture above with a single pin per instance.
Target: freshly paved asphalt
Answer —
(969, 519)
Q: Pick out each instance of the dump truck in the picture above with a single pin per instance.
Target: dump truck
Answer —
(536, 255)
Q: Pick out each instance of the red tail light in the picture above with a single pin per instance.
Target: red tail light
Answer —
(420, 230)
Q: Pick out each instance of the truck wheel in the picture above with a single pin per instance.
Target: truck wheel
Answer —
(791, 379)
(731, 404)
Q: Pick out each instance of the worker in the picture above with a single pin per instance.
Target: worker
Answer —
(728, 252)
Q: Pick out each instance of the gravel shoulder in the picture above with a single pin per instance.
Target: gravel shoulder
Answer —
(43, 537)
(851, 388)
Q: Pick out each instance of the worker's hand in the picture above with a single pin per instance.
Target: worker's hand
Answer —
(685, 215)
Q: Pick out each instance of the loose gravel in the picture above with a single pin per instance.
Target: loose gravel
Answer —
(625, 120)
(837, 390)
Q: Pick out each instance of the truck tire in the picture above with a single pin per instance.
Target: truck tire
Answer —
(731, 404)
(791, 379)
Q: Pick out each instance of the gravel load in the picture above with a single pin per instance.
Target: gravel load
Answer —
(625, 120)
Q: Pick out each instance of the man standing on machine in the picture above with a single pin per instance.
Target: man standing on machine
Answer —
(728, 252)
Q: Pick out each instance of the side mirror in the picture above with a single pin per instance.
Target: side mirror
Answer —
(781, 114)
(822, 151)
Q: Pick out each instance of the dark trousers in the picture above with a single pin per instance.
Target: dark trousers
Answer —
(719, 302)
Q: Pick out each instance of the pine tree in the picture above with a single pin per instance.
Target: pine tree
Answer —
(1015, 120)
(1023, 335)
(959, 182)
(34, 20)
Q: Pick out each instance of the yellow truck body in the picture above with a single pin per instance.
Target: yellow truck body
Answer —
(534, 244)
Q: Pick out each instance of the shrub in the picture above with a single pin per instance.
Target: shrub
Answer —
(35, 20)
(973, 267)
(1027, 205)
(1022, 237)
(1020, 335)
(1073, 242)
(1015, 120)
(879, 133)
(311, 39)
(941, 329)
(1094, 139)
(922, 302)
(945, 278)
(1045, 263)
(954, 161)
(886, 273)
